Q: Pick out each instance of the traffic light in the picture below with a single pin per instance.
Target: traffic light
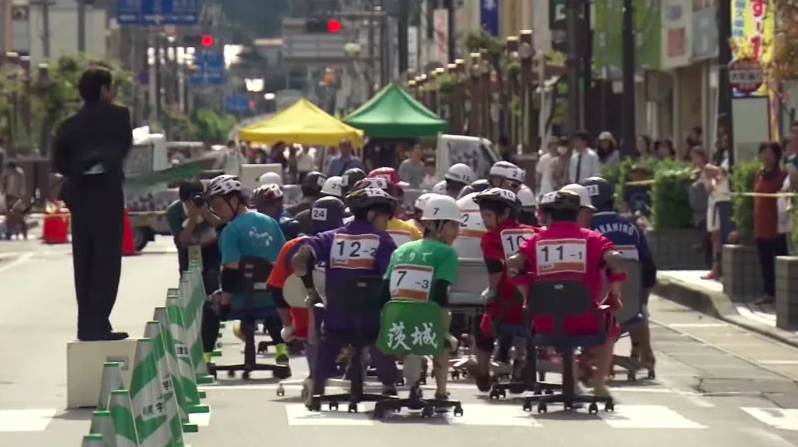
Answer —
(333, 25)
(206, 40)
(318, 26)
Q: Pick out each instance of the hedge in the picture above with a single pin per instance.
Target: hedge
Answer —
(742, 180)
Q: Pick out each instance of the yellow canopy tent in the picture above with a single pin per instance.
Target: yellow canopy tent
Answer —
(302, 123)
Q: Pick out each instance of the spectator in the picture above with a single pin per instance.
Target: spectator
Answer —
(505, 151)
(3, 154)
(430, 177)
(791, 157)
(584, 160)
(637, 193)
(721, 155)
(699, 201)
(665, 149)
(716, 182)
(12, 183)
(643, 146)
(692, 138)
(345, 160)
(331, 153)
(607, 150)
(560, 165)
(305, 161)
(543, 168)
(769, 242)
(277, 156)
(412, 169)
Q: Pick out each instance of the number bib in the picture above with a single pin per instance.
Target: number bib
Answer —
(472, 225)
(400, 236)
(411, 281)
(512, 239)
(561, 256)
(319, 214)
(354, 251)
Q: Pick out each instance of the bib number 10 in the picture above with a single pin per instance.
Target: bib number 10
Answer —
(512, 240)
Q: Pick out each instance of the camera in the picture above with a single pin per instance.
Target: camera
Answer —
(198, 200)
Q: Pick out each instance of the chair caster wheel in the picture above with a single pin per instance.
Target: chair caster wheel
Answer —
(352, 408)
(497, 394)
(281, 391)
(527, 406)
(652, 375)
(314, 405)
(231, 374)
(593, 408)
(333, 406)
(245, 375)
(427, 412)
(455, 375)
(609, 407)
(282, 373)
(542, 408)
(458, 411)
(378, 413)
(631, 377)
(263, 347)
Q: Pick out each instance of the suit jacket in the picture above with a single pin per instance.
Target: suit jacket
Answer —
(97, 133)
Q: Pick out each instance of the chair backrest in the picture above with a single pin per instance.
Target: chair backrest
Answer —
(631, 293)
(560, 300)
(256, 272)
(361, 294)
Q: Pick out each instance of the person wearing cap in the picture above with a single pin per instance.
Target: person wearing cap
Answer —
(426, 269)
(528, 206)
(455, 180)
(506, 175)
(474, 187)
(400, 230)
(332, 188)
(467, 245)
(565, 251)
(311, 186)
(586, 208)
(418, 210)
(270, 178)
(268, 200)
(607, 150)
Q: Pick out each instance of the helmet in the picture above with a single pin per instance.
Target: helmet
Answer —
(312, 183)
(326, 214)
(422, 200)
(560, 200)
(475, 186)
(365, 198)
(507, 170)
(497, 196)
(581, 191)
(223, 185)
(270, 178)
(390, 175)
(460, 173)
(372, 182)
(602, 193)
(333, 186)
(350, 177)
(440, 207)
(439, 188)
(526, 197)
(268, 193)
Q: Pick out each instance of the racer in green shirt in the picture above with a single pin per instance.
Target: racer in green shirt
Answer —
(425, 270)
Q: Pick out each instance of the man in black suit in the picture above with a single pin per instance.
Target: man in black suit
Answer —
(90, 150)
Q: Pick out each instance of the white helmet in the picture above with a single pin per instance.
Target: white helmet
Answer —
(439, 188)
(584, 195)
(440, 207)
(223, 185)
(508, 170)
(526, 196)
(270, 178)
(333, 186)
(460, 173)
(422, 200)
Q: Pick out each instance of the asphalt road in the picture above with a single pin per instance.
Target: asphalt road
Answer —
(716, 385)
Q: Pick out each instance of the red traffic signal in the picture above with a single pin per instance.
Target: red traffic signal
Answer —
(207, 40)
(333, 25)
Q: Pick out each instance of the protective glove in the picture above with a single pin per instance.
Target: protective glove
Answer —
(488, 295)
(287, 332)
(312, 298)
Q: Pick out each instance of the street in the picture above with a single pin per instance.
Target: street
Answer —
(716, 384)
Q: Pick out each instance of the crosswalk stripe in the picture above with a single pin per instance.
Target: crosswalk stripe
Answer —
(780, 418)
(297, 414)
(646, 416)
(31, 420)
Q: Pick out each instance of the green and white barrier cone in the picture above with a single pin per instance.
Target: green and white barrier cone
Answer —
(192, 319)
(103, 424)
(121, 408)
(93, 440)
(111, 380)
(152, 330)
(188, 378)
(149, 403)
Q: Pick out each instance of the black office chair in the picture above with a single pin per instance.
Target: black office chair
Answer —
(629, 315)
(561, 300)
(359, 296)
(256, 272)
(529, 380)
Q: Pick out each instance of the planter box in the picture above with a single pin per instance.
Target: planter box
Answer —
(676, 249)
(742, 275)
(787, 292)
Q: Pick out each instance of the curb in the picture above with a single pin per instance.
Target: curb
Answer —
(716, 305)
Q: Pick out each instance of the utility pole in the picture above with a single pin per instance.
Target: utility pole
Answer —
(404, 19)
(81, 26)
(451, 25)
(45, 5)
(725, 117)
(628, 129)
(587, 65)
(572, 63)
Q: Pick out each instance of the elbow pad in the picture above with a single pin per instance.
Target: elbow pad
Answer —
(494, 266)
(232, 281)
(439, 293)
(277, 296)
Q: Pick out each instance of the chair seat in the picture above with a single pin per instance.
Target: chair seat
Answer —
(569, 343)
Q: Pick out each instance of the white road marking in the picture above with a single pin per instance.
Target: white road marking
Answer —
(297, 414)
(451, 386)
(201, 419)
(646, 416)
(772, 439)
(25, 420)
(778, 362)
(697, 325)
(780, 418)
(22, 258)
(694, 398)
(493, 415)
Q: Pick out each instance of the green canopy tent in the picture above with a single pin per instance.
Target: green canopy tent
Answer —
(393, 113)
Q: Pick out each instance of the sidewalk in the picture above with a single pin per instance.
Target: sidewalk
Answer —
(686, 287)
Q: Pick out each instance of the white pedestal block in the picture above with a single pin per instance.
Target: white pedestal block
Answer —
(85, 361)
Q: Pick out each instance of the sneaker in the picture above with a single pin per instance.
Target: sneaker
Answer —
(281, 359)
(601, 391)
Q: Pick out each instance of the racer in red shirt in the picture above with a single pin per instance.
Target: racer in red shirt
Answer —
(503, 300)
(565, 251)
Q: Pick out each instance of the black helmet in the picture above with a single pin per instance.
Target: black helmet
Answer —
(366, 198)
(475, 186)
(560, 200)
(350, 177)
(602, 193)
(312, 183)
(497, 199)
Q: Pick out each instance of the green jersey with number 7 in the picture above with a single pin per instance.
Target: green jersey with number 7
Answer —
(418, 268)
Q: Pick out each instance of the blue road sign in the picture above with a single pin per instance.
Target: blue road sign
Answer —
(236, 103)
(489, 16)
(158, 12)
(210, 69)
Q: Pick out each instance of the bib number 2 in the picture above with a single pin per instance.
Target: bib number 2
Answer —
(561, 256)
(354, 251)
(411, 281)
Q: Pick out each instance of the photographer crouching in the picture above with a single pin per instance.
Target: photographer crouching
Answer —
(192, 223)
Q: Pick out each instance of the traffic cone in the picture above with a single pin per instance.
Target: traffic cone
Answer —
(112, 380)
(183, 354)
(192, 320)
(93, 440)
(168, 389)
(128, 244)
(149, 403)
(121, 408)
(55, 225)
(103, 424)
